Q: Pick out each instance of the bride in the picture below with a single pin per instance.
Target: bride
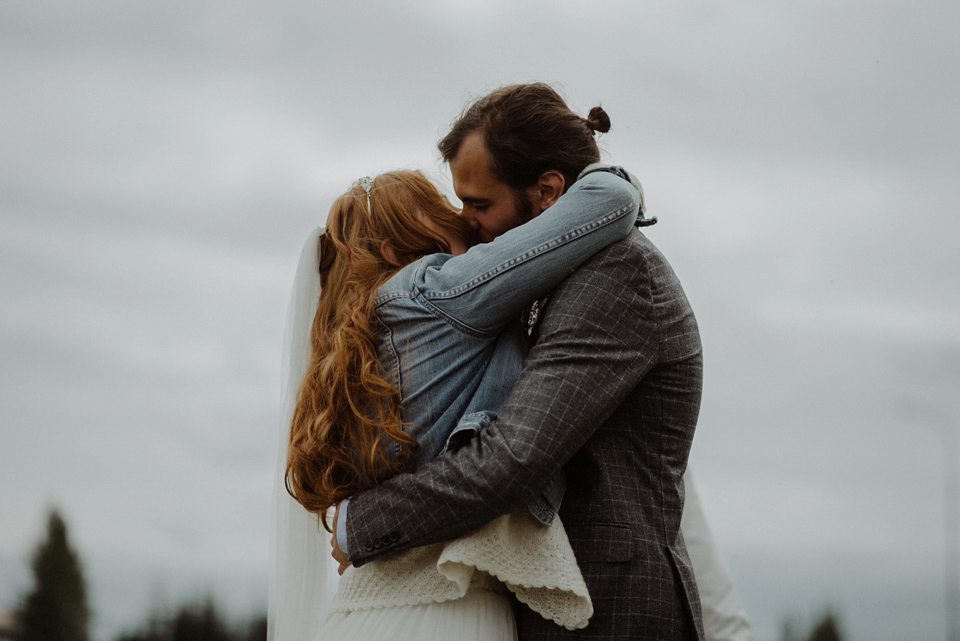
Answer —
(414, 344)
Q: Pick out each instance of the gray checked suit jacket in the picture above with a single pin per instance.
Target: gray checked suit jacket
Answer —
(610, 392)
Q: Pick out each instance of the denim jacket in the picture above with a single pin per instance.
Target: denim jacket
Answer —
(448, 330)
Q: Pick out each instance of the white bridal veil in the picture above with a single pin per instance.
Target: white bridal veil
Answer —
(303, 576)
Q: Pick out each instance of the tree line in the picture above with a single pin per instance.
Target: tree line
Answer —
(56, 608)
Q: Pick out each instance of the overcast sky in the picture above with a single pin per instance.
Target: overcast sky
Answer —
(161, 162)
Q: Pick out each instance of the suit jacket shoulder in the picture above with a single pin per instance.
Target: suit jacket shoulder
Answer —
(629, 285)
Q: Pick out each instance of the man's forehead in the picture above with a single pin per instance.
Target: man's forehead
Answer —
(473, 146)
(472, 177)
(476, 189)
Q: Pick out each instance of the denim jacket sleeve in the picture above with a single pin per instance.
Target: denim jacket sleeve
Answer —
(492, 282)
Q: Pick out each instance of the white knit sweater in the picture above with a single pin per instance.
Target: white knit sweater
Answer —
(515, 551)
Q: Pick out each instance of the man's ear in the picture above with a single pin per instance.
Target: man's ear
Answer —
(388, 253)
(547, 190)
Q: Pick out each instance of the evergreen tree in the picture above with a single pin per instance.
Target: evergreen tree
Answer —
(827, 629)
(257, 631)
(56, 609)
(199, 622)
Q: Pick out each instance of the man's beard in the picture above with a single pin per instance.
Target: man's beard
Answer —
(522, 206)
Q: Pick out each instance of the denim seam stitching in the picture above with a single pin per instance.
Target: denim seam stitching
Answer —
(394, 357)
(533, 253)
(454, 322)
(389, 296)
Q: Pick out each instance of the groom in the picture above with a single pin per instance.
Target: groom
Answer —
(610, 393)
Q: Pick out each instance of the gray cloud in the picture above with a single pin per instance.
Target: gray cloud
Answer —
(161, 162)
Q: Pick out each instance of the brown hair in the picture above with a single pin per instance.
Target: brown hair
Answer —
(347, 429)
(528, 130)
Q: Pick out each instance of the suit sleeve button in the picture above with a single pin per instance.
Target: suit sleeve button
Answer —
(394, 536)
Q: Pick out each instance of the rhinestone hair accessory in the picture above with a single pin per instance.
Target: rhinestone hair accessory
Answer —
(367, 182)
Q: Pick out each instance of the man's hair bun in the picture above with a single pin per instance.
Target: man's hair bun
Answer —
(598, 120)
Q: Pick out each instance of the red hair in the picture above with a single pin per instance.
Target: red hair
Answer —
(347, 414)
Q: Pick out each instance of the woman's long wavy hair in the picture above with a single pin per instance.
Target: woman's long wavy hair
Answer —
(347, 413)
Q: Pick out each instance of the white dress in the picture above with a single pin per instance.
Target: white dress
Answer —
(479, 615)
(458, 590)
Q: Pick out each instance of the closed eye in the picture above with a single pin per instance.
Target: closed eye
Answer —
(481, 205)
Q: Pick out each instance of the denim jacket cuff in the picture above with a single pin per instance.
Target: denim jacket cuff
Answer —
(642, 221)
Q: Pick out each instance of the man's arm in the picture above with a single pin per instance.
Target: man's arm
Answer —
(597, 340)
